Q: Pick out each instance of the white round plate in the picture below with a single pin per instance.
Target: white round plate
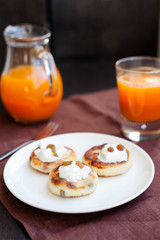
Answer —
(31, 187)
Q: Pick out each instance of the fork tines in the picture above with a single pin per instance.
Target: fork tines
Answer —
(48, 130)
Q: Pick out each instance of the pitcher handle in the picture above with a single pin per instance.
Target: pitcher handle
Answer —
(50, 68)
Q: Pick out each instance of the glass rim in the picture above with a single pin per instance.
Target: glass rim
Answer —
(156, 59)
(26, 33)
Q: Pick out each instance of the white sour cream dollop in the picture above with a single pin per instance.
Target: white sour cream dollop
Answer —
(112, 156)
(74, 173)
(46, 155)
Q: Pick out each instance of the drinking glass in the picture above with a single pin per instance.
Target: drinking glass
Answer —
(138, 83)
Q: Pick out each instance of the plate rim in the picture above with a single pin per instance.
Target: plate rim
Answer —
(120, 203)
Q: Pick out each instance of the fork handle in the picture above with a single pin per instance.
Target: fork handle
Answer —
(7, 154)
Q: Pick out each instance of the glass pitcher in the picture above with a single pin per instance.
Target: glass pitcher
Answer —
(31, 85)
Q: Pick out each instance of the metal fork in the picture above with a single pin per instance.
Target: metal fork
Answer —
(48, 130)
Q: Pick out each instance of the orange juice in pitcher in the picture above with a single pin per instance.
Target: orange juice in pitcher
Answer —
(31, 85)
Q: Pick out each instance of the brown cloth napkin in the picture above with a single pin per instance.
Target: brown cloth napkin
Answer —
(95, 112)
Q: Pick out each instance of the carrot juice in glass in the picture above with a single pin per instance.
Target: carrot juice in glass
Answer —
(138, 83)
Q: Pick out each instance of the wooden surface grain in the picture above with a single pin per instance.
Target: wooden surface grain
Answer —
(11, 229)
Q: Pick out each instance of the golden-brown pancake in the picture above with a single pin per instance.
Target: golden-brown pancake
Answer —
(44, 158)
(72, 179)
(119, 159)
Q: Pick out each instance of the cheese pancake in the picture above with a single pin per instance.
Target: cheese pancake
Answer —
(72, 179)
(108, 159)
(44, 158)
